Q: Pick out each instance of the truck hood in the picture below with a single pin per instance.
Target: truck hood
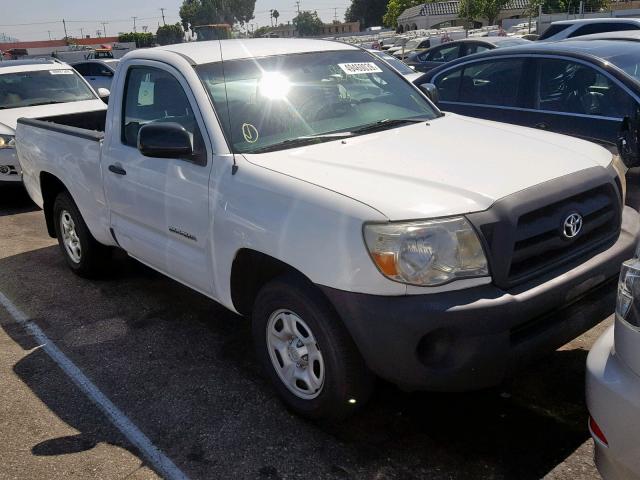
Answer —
(451, 166)
(9, 117)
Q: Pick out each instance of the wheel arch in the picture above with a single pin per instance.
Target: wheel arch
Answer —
(50, 187)
(250, 271)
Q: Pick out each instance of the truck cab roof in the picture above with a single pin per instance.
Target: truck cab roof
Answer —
(214, 51)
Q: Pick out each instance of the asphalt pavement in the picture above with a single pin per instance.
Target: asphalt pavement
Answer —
(182, 370)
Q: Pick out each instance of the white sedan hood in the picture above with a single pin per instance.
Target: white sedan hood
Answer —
(454, 165)
(9, 117)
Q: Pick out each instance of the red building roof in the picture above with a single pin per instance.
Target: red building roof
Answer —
(53, 44)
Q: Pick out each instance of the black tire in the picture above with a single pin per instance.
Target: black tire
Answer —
(348, 382)
(94, 256)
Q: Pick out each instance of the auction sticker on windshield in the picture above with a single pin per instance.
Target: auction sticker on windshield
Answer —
(61, 72)
(359, 68)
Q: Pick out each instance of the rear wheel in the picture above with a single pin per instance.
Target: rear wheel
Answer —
(84, 255)
(307, 352)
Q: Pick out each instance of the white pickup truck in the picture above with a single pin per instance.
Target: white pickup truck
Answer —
(307, 185)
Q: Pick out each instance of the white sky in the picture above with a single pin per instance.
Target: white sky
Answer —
(37, 19)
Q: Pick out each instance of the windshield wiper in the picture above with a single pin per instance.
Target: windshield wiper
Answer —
(387, 123)
(302, 141)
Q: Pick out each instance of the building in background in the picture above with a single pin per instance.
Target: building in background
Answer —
(328, 29)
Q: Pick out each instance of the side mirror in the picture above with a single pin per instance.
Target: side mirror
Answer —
(164, 140)
(629, 140)
(104, 94)
(431, 91)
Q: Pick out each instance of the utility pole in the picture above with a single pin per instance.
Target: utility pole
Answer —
(104, 28)
(81, 33)
(162, 10)
(134, 24)
(335, 14)
(298, 6)
(49, 32)
(64, 25)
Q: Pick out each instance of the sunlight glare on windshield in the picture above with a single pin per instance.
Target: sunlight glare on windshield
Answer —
(274, 85)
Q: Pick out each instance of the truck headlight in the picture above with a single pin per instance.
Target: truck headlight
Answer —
(7, 141)
(426, 253)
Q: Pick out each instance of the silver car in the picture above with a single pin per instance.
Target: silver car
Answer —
(613, 384)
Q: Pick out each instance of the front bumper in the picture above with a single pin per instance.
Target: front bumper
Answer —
(613, 399)
(475, 338)
(10, 171)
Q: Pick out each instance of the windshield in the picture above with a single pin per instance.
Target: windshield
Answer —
(26, 89)
(268, 103)
(412, 44)
(394, 62)
(629, 62)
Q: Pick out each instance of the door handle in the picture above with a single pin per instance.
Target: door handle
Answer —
(542, 126)
(117, 170)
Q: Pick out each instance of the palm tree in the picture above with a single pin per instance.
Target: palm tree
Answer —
(275, 14)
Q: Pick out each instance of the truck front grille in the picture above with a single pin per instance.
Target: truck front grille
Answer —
(540, 239)
(523, 233)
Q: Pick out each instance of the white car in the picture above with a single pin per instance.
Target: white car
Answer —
(613, 384)
(307, 185)
(587, 26)
(99, 73)
(37, 88)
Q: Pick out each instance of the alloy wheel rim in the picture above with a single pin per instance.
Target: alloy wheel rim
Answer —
(70, 237)
(295, 354)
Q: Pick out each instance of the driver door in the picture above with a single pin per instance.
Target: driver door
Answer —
(159, 208)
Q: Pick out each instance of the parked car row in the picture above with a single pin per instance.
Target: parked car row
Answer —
(317, 191)
(582, 87)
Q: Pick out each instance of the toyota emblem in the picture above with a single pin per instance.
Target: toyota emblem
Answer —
(572, 225)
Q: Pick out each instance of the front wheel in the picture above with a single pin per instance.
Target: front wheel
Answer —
(307, 352)
(84, 255)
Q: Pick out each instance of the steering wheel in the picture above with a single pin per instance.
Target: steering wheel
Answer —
(335, 109)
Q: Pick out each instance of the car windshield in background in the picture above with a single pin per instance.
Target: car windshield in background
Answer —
(629, 62)
(26, 89)
(394, 62)
(279, 102)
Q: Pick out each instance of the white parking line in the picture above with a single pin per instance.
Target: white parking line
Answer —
(163, 465)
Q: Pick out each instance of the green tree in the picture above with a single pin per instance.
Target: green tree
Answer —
(395, 8)
(275, 14)
(142, 40)
(478, 9)
(308, 23)
(262, 31)
(169, 34)
(211, 12)
(368, 12)
(469, 10)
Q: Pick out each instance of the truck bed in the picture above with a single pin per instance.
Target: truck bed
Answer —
(87, 125)
(67, 147)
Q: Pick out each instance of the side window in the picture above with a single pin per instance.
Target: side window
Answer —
(82, 69)
(449, 85)
(153, 95)
(476, 48)
(571, 87)
(99, 70)
(602, 28)
(446, 53)
(494, 82)
(424, 44)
